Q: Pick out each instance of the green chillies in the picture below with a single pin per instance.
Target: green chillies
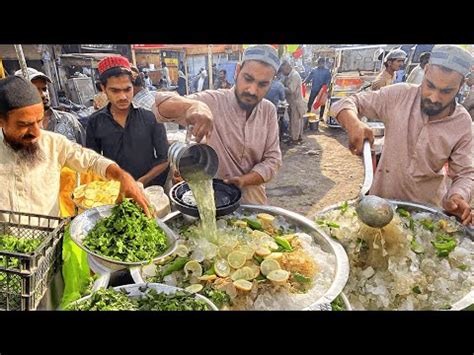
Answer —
(176, 265)
(444, 245)
(253, 224)
(283, 243)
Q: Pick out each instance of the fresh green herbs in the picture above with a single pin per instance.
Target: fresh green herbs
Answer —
(112, 300)
(127, 235)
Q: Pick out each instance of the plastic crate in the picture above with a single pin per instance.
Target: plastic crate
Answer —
(23, 285)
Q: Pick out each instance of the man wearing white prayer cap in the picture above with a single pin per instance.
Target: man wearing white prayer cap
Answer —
(425, 129)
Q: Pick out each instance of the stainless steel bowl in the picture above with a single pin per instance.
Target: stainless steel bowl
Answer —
(134, 291)
(83, 223)
(468, 299)
(326, 243)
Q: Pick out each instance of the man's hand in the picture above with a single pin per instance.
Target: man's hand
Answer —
(237, 181)
(457, 206)
(129, 188)
(358, 132)
(249, 179)
(200, 116)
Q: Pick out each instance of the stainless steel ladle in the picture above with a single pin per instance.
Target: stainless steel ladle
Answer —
(374, 211)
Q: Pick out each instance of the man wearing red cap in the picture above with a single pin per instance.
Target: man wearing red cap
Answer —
(124, 132)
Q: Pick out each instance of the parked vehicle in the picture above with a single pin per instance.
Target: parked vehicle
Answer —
(354, 70)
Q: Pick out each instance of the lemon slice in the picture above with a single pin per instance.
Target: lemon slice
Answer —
(222, 268)
(255, 270)
(245, 273)
(248, 250)
(240, 224)
(263, 251)
(288, 237)
(236, 259)
(243, 285)
(207, 277)
(225, 250)
(268, 265)
(271, 245)
(278, 276)
(181, 250)
(194, 288)
(193, 267)
(260, 234)
(275, 255)
(265, 217)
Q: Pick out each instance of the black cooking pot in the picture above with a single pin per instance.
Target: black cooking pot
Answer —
(227, 198)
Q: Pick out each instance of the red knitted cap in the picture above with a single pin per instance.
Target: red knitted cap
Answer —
(113, 62)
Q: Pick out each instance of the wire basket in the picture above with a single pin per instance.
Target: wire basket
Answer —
(25, 277)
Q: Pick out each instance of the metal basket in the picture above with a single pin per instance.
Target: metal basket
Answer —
(23, 286)
(82, 224)
(468, 299)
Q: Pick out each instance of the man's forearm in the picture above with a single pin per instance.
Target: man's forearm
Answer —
(252, 178)
(154, 172)
(114, 172)
(175, 107)
(347, 119)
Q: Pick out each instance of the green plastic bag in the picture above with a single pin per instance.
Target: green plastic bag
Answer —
(76, 272)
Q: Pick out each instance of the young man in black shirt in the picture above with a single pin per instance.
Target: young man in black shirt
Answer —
(124, 132)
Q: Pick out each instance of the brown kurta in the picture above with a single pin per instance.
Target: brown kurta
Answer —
(416, 148)
(242, 145)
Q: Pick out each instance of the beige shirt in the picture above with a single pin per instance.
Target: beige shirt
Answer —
(383, 79)
(35, 189)
(242, 145)
(416, 76)
(416, 148)
(295, 95)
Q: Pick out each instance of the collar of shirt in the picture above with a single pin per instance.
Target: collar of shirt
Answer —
(108, 113)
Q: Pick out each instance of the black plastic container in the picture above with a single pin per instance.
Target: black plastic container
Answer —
(227, 198)
(23, 286)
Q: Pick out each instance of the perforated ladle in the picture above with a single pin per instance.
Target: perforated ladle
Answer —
(374, 211)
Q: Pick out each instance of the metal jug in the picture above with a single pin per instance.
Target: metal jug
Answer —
(191, 157)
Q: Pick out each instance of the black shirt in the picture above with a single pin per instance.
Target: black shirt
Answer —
(136, 148)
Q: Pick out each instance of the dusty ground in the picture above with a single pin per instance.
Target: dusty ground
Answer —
(317, 174)
(329, 174)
